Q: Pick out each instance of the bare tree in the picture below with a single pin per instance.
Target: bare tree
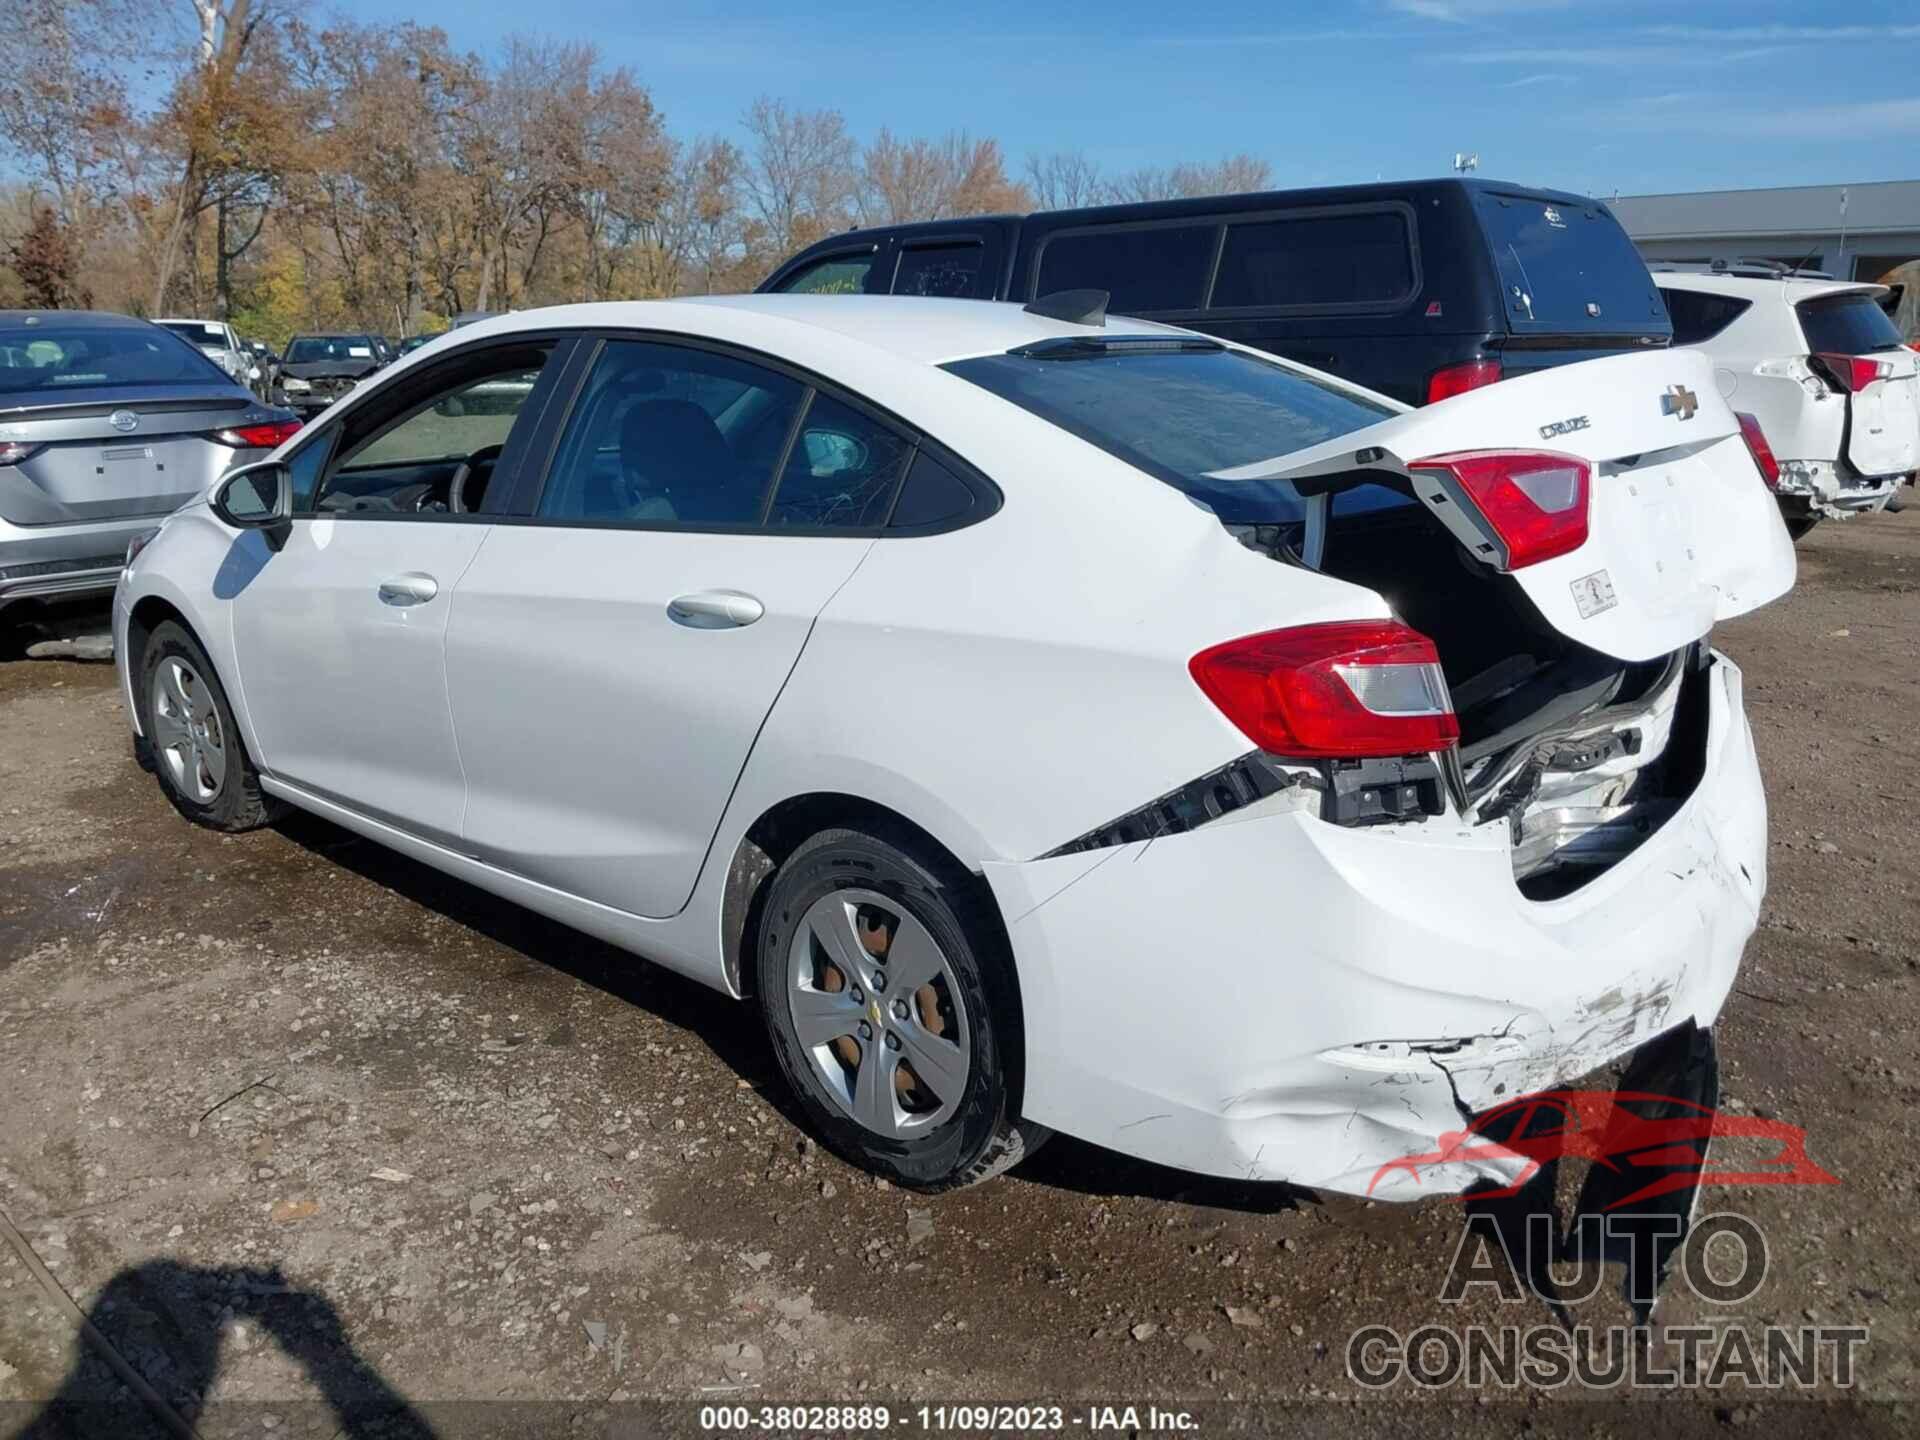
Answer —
(1064, 180)
(801, 173)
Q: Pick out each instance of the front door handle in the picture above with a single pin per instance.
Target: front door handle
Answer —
(715, 609)
(412, 588)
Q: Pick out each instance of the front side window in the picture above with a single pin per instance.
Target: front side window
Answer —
(1142, 268)
(432, 452)
(838, 275)
(1184, 415)
(670, 435)
(1364, 258)
(949, 271)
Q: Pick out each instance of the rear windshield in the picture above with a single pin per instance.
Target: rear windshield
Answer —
(1568, 267)
(197, 332)
(1846, 325)
(50, 358)
(1179, 415)
(309, 349)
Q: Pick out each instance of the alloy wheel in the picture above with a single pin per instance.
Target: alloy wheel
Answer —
(187, 735)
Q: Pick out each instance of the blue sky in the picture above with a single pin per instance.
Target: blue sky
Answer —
(1597, 97)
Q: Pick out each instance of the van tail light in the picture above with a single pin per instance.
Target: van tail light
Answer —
(1351, 689)
(1852, 373)
(1458, 379)
(12, 452)
(1527, 506)
(259, 437)
(1761, 451)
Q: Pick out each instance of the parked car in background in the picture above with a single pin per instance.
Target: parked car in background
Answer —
(1054, 722)
(317, 370)
(106, 424)
(218, 341)
(414, 342)
(1418, 290)
(1820, 367)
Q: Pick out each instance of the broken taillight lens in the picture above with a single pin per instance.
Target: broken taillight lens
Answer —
(259, 437)
(1453, 380)
(1533, 503)
(1761, 451)
(1852, 373)
(1356, 689)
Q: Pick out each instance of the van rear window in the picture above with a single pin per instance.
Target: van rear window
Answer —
(1180, 415)
(1846, 325)
(1568, 267)
(1364, 258)
(1143, 268)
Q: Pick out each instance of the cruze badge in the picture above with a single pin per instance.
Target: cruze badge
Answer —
(1564, 427)
(1679, 401)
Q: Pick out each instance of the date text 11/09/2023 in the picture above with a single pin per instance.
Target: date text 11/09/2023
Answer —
(868, 1419)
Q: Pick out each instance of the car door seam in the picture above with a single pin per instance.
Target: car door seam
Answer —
(446, 686)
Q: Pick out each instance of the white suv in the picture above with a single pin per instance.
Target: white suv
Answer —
(1821, 368)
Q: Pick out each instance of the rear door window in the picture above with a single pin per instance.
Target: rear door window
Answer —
(1322, 261)
(834, 275)
(951, 271)
(1698, 316)
(1846, 325)
(1568, 267)
(1143, 268)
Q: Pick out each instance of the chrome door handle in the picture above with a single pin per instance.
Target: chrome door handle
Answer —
(409, 589)
(714, 609)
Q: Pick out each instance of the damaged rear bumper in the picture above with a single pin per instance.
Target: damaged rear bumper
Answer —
(1823, 487)
(1278, 998)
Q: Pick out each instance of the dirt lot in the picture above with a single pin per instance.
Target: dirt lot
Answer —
(325, 1142)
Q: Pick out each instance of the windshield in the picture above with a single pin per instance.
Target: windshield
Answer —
(48, 357)
(1179, 415)
(308, 349)
(1847, 325)
(1569, 266)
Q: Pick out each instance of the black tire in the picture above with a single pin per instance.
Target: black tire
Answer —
(239, 803)
(982, 1138)
(1799, 525)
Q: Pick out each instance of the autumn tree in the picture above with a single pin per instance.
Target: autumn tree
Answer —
(46, 264)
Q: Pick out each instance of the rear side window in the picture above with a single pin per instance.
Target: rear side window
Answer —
(1568, 267)
(1142, 268)
(841, 471)
(1323, 260)
(836, 275)
(1182, 416)
(950, 271)
(1846, 325)
(1697, 316)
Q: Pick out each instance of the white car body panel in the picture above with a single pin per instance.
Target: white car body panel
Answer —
(1007, 687)
(1686, 537)
(1842, 453)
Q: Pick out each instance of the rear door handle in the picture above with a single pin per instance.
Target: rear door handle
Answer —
(412, 588)
(715, 609)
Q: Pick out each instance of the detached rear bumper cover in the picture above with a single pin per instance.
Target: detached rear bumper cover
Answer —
(1829, 492)
(1283, 999)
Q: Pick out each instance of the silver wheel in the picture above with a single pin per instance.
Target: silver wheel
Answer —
(187, 736)
(878, 1013)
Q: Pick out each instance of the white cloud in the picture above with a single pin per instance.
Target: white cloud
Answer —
(1461, 11)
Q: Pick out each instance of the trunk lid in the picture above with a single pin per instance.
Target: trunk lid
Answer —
(1682, 532)
(1883, 429)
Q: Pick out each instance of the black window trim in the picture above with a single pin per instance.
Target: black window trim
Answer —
(1416, 276)
(513, 457)
(544, 446)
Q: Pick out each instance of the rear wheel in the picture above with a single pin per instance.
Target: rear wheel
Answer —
(194, 746)
(884, 988)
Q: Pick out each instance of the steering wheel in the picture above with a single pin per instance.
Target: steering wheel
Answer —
(463, 472)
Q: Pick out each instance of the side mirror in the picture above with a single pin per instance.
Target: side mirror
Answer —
(257, 497)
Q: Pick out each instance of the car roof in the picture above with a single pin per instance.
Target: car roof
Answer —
(1792, 288)
(70, 318)
(914, 328)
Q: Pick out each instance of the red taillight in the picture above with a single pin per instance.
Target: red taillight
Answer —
(12, 452)
(1356, 689)
(1458, 379)
(1853, 372)
(1533, 503)
(259, 437)
(1761, 451)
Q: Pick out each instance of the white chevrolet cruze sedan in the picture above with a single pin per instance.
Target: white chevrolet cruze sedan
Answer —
(1052, 721)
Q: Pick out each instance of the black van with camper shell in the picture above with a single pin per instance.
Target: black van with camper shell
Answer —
(1419, 290)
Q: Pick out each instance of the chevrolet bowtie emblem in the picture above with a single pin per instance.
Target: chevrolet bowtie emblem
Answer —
(1679, 401)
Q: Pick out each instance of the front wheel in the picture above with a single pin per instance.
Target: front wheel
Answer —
(195, 747)
(887, 995)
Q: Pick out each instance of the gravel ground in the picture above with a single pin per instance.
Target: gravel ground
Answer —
(328, 1144)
